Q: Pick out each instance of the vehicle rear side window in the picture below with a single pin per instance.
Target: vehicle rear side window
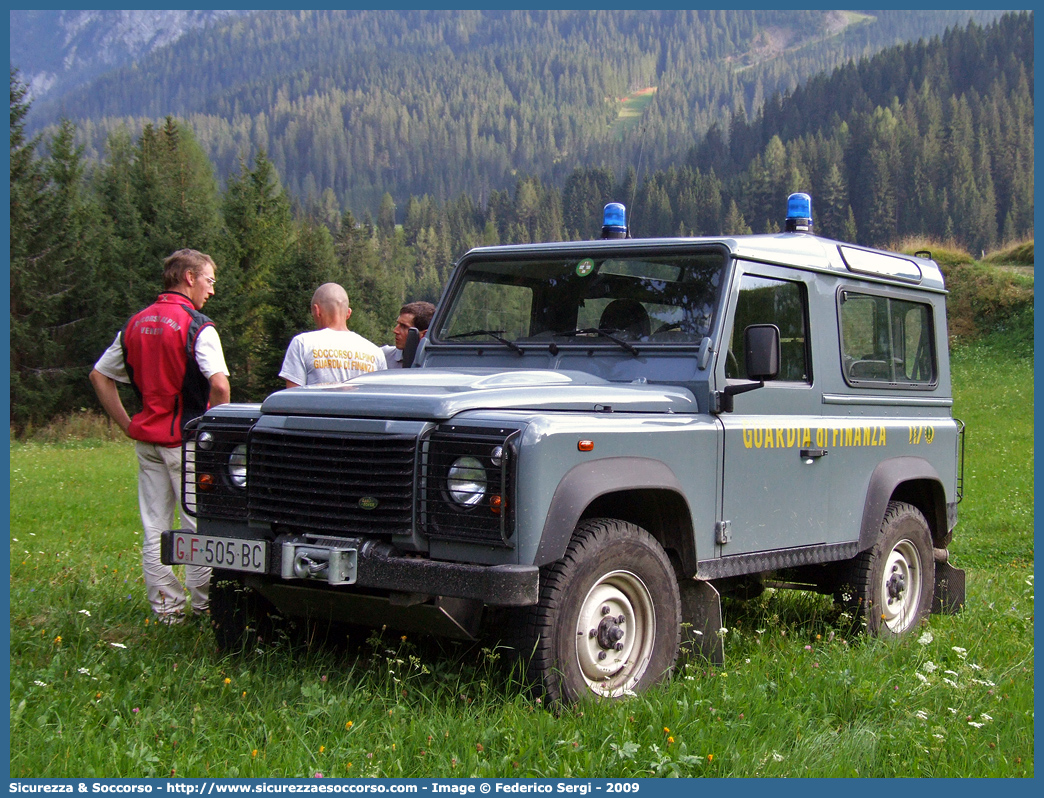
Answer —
(763, 300)
(886, 341)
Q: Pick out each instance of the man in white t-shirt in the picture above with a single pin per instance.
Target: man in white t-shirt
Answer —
(170, 353)
(331, 353)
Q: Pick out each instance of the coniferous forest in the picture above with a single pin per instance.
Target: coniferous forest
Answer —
(406, 161)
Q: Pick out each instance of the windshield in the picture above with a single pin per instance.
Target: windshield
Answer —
(669, 299)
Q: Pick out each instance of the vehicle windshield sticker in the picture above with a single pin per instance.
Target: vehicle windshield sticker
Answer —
(584, 267)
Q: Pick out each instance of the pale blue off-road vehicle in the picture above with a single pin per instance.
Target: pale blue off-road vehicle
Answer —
(595, 440)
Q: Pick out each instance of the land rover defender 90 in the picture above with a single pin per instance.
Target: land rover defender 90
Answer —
(594, 441)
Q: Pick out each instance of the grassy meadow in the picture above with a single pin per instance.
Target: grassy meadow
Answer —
(97, 690)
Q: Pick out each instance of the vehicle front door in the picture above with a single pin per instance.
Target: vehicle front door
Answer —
(774, 481)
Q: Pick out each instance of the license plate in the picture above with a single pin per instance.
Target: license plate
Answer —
(232, 554)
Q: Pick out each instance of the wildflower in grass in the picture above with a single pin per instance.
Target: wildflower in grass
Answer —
(929, 667)
(322, 678)
(322, 748)
(479, 748)
(710, 757)
(777, 757)
(808, 648)
(922, 677)
(939, 736)
(925, 638)
(984, 683)
(453, 762)
(136, 710)
(670, 741)
(349, 725)
(117, 645)
(97, 695)
(921, 714)
(84, 671)
(961, 652)
(38, 683)
(85, 612)
(253, 754)
(403, 638)
(58, 640)
(974, 666)
(317, 775)
(666, 730)
(722, 632)
(950, 682)
(985, 717)
(952, 710)
(976, 725)
(244, 694)
(228, 680)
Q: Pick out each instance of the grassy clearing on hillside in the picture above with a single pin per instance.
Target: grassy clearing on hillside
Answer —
(631, 109)
(98, 690)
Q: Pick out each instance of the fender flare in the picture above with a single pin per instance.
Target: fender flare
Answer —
(586, 482)
(889, 475)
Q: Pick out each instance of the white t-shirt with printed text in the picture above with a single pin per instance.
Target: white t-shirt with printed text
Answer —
(328, 357)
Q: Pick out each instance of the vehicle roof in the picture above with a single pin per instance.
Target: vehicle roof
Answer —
(798, 250)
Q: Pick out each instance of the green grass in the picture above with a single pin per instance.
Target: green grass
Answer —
(97, 690)
(631, 109)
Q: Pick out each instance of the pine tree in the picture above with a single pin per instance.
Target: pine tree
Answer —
(261, 238)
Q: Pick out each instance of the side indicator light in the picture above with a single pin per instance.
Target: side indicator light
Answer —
(205, 481)
(495, 503)
(585, 446)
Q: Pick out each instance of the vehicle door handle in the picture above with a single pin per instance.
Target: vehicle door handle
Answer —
(807, 454)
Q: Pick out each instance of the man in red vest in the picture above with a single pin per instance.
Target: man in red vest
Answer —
(171, 355)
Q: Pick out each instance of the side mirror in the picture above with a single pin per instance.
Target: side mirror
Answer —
(409, 351)
(761, 345)
(761, 350)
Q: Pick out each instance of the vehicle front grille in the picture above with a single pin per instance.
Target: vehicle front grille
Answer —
(345, 484)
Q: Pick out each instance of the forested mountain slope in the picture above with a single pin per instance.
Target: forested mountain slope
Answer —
(932, 139)
(449, 102)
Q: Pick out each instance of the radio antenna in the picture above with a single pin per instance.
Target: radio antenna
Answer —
(637, 174)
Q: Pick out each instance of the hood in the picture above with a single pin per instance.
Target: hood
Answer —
(441, 394)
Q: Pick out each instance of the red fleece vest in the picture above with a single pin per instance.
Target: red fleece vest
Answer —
(159, 350)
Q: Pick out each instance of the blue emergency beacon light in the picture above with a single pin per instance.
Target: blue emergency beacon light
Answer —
(614, 221)
(799, 213)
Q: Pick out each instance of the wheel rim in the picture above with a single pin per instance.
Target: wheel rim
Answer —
(615, 631)
(901, 587)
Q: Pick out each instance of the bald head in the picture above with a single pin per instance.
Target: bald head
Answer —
(330, 307)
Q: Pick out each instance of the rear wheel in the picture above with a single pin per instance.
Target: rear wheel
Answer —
(891, 585)
(609, 617)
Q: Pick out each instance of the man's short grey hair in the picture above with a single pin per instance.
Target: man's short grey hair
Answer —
(332, 298)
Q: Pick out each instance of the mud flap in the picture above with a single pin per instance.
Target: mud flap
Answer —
(949, 595)
(701, 621)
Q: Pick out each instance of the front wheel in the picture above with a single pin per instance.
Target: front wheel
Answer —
(891, 585)
(609, 617)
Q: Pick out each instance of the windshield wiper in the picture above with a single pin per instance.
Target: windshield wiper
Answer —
(602, 332)
(497, 334)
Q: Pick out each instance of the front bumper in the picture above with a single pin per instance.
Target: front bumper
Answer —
(380, 566)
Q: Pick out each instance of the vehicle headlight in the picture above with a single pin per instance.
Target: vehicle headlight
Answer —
(237, 466)
(466, 481)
